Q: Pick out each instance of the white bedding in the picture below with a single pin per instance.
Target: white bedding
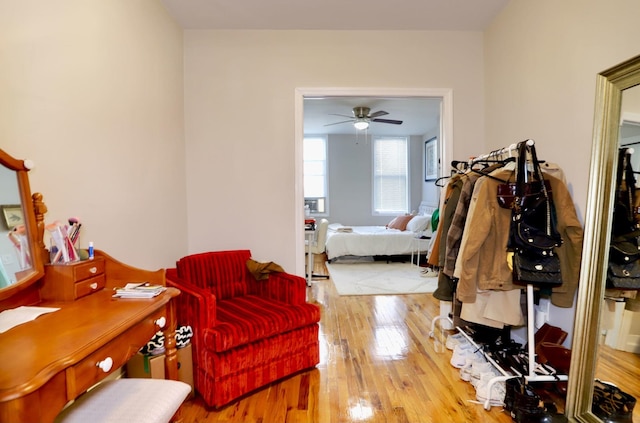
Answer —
(368, 241)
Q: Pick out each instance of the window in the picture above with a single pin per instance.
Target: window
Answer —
(315, 173)
(390, 175)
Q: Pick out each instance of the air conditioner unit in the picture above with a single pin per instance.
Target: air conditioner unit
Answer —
(316, 204)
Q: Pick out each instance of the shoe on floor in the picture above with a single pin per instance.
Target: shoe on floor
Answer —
(428, 273)
(455, 339)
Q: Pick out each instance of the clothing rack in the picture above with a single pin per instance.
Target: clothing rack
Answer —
(532, 376)
(466, 164)
(501, 152)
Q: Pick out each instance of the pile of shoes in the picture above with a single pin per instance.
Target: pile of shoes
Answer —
(611, 404)
(507, 386)
(526, 406)
(476, 369)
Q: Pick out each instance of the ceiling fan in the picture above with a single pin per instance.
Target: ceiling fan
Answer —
(362, 118)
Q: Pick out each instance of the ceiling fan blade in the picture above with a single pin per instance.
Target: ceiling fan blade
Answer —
(394, 122)
(337, 114)
(378, 113)
(337, 123)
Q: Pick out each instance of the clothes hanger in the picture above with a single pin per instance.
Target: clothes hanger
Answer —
(438, 181)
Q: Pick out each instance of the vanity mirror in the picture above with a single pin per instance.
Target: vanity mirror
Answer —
(21, 257)
(611, 86)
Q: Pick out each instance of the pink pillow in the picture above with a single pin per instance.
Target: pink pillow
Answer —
(400, 222)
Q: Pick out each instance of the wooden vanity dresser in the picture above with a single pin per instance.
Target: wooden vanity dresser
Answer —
(49, 361)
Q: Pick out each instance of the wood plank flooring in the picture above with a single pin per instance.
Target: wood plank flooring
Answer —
(377, 364)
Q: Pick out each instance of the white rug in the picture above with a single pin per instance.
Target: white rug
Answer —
(379, 278)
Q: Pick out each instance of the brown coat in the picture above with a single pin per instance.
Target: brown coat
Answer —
(482, 260)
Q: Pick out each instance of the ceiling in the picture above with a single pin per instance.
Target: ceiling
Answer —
(418, 115)
(453, 15)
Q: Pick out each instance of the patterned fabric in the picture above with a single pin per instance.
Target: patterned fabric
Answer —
(224, 273)
(249, 318)
(246, 333)
(155, 346)
(240, 371)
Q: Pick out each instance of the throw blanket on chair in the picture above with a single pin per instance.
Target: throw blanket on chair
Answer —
(261, 271)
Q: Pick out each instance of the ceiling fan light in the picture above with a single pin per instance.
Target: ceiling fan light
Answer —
(361, 124)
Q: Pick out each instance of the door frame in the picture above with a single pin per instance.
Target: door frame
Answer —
(445, 139)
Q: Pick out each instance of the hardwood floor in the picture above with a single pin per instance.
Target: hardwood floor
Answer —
(377, 364)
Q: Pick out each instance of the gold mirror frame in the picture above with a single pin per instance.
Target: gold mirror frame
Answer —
(610, 85)
(34, 226)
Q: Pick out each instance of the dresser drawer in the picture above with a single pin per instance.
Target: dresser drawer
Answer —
(89, 286)
(112, 356)
(87, 269)
(68, 282)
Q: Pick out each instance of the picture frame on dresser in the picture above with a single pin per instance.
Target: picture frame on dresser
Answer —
(12, 215)
(431, 159)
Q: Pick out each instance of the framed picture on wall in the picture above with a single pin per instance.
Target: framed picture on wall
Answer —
(431, 159)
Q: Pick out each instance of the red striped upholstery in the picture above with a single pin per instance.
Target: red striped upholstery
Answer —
(224, 273)
(247, 333)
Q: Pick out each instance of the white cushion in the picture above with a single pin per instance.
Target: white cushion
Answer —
(128, 400)
(418, 223)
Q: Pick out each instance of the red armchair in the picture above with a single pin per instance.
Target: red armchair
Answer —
(247, 332)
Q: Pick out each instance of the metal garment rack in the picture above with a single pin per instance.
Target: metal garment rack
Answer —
(532, 376)
(501, 152)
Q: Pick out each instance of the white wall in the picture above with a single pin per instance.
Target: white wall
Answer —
(239, 118)
(350, 162)
(92, 93)
(542, 58)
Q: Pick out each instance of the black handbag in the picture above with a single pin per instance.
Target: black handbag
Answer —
(533, 236)
(623, 270)
(539, 269)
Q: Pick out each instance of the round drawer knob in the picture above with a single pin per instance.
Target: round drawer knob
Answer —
(93, 285)
(161, 322)
(105, 365)
(93, 270)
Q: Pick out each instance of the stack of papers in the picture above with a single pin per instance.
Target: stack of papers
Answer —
(17, 316)
(139, 290)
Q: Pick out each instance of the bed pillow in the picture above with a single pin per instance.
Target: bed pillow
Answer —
(418, 223)
(400, 222)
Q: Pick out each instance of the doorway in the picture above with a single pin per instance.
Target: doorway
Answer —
(304, 95)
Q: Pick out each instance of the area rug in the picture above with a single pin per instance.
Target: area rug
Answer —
(379, 278)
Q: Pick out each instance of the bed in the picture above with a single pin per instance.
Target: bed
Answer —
(363, 241)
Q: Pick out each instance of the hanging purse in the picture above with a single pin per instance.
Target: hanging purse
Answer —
(507, 192)
(537, 269)
(623, 270)
(533, 236)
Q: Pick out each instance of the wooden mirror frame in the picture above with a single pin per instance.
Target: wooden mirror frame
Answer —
(586, 333)
(35, 230)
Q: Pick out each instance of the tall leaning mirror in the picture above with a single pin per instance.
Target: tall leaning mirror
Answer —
(591, 305)
(21, 260)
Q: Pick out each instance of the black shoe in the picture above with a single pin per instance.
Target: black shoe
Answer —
(611, 404)
(529, 408)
